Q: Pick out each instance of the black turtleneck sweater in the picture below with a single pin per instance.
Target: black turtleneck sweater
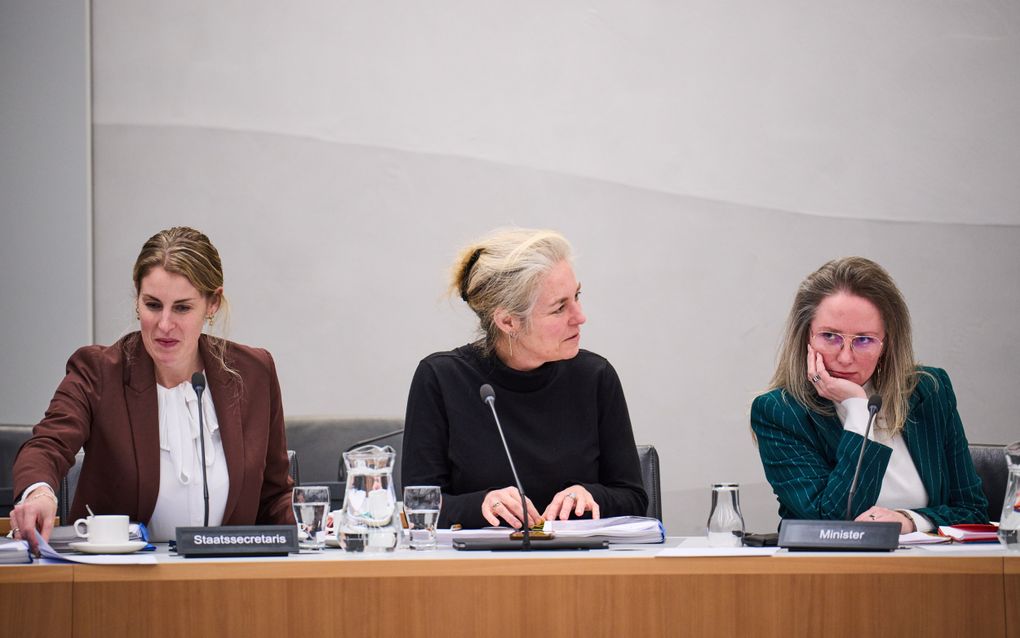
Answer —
(565, 422)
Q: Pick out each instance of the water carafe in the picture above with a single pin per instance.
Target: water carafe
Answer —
(1009, 522)
(369, 522)
(725, 518)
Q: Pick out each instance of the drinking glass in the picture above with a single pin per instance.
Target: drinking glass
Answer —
(311, 502)
(725, 518)
(1009, 522)
(421, 506)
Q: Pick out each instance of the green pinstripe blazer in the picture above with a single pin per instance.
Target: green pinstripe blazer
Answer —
(809, 459)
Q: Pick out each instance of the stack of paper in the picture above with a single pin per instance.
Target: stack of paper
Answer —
(618, 529)
(922, 538)
(14, 552)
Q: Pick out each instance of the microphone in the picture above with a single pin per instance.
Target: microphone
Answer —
(198, 383)
(829, 535)
(488, 395)
(874, 405)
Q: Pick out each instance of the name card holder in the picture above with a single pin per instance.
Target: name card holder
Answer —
(237, 540)
(836, 536)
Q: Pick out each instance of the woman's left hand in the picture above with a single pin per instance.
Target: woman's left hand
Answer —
(882, 515)
(573, 499)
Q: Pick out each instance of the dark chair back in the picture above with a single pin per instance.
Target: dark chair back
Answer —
(11, 439)
(649, 460)
(67, 488)
(991, 466)
(320, 441)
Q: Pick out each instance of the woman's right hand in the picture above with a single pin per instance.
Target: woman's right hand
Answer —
(37, 513)
(828, 386)
(506, 504)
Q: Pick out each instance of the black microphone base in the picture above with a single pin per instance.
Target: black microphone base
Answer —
(838, 536)
(509, 545)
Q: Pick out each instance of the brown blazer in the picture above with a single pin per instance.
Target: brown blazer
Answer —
(107, 404)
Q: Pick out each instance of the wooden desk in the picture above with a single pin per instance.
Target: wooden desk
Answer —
(35, 600)
(459, 595)
(1011, 584)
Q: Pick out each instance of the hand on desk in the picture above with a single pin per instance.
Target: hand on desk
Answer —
(575, 498)
(506, 504)
(37, 513)
(883, 515)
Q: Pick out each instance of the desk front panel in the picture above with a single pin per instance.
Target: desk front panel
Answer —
(644, 596)
(35, 600)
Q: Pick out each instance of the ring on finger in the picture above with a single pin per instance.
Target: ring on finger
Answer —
(571, 496)
(496, 504)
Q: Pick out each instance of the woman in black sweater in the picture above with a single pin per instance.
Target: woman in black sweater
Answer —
(562, 408)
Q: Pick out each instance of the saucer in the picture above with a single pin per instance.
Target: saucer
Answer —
(111, 548)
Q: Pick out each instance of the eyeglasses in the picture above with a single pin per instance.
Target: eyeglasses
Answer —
(832, 342)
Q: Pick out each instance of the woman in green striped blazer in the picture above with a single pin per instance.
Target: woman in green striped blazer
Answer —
(847, 337)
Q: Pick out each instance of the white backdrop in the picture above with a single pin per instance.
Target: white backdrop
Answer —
(703, 157)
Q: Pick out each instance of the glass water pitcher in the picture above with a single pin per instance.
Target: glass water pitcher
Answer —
(369, 522)
(1009, 522)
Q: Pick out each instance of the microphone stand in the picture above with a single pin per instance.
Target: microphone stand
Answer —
(198, 383)
(874, 404)
(490, 397)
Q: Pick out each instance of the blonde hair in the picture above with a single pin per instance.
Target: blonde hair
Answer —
(189, 253)
(502, 271)
(896, 373)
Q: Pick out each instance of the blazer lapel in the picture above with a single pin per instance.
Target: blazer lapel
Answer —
(143, 418)
(226, 395)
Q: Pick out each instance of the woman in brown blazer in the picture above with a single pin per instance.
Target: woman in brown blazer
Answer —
(132, 407)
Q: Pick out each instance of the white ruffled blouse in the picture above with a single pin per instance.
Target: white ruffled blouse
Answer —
(180, 501)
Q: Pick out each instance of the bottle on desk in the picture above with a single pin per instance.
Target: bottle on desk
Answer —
(725, 522)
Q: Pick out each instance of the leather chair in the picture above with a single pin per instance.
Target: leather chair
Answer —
(648, 457)
(991, 466)
(320, 442)
(11, 439)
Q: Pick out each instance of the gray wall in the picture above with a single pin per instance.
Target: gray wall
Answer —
(702, 156)
(45, 200)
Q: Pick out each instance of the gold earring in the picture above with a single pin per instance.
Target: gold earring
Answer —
(510, 342)
(211, 319)
(138, 315)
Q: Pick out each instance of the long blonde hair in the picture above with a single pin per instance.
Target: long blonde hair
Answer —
(503, 270)
(896, 374)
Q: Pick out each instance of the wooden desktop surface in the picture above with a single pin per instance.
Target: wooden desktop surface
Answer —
(458, 595)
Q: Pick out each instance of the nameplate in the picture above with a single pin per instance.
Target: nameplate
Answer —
(835, 536)
(237, 540)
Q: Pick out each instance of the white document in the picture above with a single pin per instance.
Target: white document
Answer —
(698, 546)
(616, 529)
(922, 538)
(51, 555)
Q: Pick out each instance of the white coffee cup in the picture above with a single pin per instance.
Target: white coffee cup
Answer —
(106, 529)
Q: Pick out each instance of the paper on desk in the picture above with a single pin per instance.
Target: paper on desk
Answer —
(922, 538)
(51, 555)
(616, 529)
(953, 548)
(698, 546)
